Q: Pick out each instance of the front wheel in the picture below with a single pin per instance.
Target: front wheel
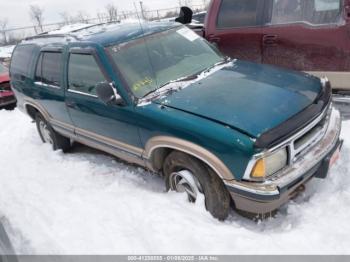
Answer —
(50, 136)
(186, 174)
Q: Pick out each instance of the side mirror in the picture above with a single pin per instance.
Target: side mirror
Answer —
(107, 94)
(185, 15)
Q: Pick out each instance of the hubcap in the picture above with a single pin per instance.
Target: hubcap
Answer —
(185, 182)
(45, 132)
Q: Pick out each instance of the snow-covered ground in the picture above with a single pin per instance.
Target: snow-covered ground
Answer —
(86, 202)
(6, 51)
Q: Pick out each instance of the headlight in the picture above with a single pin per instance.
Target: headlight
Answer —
(270, 164)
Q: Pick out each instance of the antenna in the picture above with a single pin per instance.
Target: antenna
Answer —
(146, 45)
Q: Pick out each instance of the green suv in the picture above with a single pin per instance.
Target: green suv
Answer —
(157, 95)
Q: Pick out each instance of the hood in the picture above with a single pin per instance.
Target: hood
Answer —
(249, 97)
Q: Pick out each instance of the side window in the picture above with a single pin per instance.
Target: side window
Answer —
(238, 13)
(21, 60)
(48, 70)
(84, 74)
(38, 69)
(315, 12)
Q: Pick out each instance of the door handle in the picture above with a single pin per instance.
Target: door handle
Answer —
(71, 104)
(270, 39)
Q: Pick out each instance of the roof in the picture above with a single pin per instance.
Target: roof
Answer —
(106, 34)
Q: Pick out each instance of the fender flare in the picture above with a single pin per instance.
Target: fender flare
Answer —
(190, 148)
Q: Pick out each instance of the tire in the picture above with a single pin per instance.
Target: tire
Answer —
(48, 135)
(179, 166)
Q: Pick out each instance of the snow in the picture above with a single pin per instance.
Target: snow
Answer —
(86, 202)
(70, 28)
(6, 51)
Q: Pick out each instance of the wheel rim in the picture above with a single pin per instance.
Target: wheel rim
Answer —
(185, 182)
(45, 132)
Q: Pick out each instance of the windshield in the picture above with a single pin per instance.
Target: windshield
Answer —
(3, 69)
(150, 63)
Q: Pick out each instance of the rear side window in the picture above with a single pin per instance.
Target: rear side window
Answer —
(314, 12)
(48, 69)
(84, 74)
(238, 13)
(22, 60)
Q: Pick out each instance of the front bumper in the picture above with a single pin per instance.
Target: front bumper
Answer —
(262, 198)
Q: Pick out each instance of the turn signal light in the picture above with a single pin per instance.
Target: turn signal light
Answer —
(259, 170)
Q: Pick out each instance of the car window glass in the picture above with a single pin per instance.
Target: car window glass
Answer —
(314, 12)
(156, 60)
(238, 13)
(21, 60)
(38, 69)
(84, 74)
(50, 68)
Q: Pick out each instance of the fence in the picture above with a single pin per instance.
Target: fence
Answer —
(13, 35)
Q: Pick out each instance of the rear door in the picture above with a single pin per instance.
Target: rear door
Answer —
(311, 36)
(235, 26)
(49, 90)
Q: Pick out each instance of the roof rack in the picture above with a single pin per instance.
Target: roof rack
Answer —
(70, 34)
(50, 36)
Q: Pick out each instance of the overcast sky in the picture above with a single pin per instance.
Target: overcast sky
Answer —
(17, 11)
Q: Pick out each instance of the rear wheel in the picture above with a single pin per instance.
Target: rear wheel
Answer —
(50, 136)
(186, 174)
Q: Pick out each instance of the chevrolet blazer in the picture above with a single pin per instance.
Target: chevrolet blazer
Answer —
(244, 135)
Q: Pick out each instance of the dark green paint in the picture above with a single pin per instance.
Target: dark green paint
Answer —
(223, 113)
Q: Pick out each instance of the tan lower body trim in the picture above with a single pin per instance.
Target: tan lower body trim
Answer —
(339, 80)
(119, 149)
(108, 141)
(134, 154)
(119, 154)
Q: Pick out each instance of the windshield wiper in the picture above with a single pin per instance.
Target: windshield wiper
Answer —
(162, 90)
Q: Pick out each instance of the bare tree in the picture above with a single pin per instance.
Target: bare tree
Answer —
(36, 14)
(185, 2)
(82, 17)
(112, 12)
(3, 27)
(65, 18)
(101, 17)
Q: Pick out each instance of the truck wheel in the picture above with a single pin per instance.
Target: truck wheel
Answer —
(186, 174)
(48, 135)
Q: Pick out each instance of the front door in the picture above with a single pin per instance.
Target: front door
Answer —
(235, 26)
(311, 36)
(107, 127)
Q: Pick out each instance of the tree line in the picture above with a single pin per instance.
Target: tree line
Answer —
(110, 13)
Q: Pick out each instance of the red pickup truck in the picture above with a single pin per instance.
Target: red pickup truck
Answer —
(304, 35)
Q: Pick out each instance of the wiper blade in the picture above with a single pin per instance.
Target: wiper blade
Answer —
(163, 90)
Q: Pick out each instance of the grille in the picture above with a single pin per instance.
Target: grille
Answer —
(7, 99)
(5, 86)
(313, 134)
